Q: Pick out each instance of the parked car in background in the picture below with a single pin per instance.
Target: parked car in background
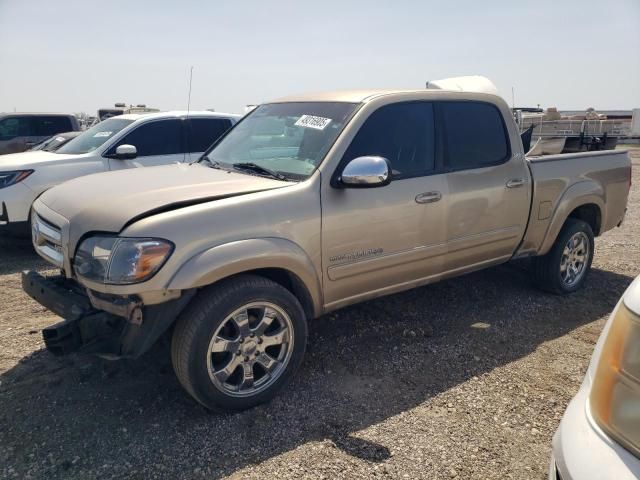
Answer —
(309, 204)
(599, 435)
(53, 143)
(122, 109)
(21, 131)
(123, 142)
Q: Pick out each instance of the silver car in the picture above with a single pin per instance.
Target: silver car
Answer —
(599, 435)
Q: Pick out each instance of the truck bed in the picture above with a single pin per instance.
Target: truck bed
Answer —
(564, 182)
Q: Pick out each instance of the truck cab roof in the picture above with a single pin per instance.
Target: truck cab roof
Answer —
(35, 114)
(361, 96)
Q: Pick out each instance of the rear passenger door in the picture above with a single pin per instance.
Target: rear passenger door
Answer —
(489, 186)
(158, 142)
(200, 133)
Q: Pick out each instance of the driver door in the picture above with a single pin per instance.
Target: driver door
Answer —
(378, 239)
(158, 142)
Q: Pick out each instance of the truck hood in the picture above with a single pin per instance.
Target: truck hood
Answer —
(112, 200)
(26, 160)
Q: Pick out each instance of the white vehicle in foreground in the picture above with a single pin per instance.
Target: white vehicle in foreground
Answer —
(599, 435)
(126, 141)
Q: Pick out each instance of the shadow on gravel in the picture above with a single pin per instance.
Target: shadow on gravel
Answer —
(17, 255)
(82, 417)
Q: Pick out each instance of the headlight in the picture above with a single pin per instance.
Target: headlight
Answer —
(117, 260)
(615, 393)
(10, 178)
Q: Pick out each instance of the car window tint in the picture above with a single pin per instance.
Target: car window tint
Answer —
(160, 137)
(403, 133)
(474, 135)
(16, 127)
(47, 126)
(202, 132)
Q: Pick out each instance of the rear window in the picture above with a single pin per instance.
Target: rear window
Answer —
(202, 132)
(475, 135)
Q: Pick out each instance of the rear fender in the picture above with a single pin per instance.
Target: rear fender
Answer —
(578, 194)
(242, 256)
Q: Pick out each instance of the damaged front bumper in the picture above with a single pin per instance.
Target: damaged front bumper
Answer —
(109, 325)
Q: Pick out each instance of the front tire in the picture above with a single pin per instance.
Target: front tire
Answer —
(239, 342)
(565, 267)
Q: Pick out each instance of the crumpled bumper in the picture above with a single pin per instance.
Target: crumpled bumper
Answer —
(112, 326)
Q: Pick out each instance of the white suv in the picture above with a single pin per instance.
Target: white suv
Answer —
(126, 141)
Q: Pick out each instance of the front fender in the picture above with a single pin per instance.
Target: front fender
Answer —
(241, 256)
(578, 194)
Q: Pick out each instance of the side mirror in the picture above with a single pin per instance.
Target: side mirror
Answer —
(126, 152)
(366, 172)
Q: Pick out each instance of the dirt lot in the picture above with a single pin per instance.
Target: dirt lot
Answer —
(467, 378)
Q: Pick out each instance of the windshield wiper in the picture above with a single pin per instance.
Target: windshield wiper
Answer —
(254, 167)
(212, 163)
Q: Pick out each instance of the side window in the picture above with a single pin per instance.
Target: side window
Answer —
(202, 132)
(160, 137)
(403, 133)
(13, 127)
(475, 135)
(48, 126)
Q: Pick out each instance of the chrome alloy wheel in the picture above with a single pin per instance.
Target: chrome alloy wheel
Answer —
(250, 349)
(573, 263)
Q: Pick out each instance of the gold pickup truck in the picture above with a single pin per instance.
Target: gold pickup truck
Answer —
(309, 204)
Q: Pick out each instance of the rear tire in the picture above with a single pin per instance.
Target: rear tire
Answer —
(565, 267)
(239, 342)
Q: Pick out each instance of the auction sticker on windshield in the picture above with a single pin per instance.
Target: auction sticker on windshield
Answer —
(103, 134)
(310, 121)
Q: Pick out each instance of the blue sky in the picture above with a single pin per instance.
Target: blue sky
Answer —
(81, 55)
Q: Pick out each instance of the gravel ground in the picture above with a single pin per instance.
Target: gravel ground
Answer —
(467, 378)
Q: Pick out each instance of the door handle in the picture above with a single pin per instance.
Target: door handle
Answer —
(515, 183)
(428, 197)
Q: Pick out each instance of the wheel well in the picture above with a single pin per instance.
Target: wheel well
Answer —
(291, 282)
(589, 213)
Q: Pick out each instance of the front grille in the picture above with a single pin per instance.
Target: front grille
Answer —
(47, 240)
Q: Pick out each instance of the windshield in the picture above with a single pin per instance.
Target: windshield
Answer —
(290, 139)
(94, 137)
(43, 144)
(52, 144)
